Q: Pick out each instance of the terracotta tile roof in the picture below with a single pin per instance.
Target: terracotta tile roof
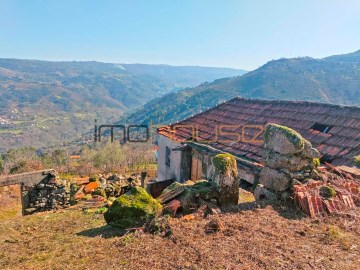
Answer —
(235, 118)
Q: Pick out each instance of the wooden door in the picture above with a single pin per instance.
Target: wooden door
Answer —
(196, 169)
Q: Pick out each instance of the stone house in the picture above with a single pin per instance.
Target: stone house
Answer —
(237, 127)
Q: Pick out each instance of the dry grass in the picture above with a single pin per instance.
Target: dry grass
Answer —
(269, 238)
(10, 202)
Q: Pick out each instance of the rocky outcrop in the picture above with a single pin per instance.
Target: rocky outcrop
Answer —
(288, 158)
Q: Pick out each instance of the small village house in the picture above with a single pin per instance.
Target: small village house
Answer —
(237, 127)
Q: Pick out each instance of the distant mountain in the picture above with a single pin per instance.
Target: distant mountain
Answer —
(335, 79)
(43, 102)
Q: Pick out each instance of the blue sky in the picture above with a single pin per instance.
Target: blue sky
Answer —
(227, 33)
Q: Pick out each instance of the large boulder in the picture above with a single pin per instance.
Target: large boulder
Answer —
(132, 209)
(283, 140)
(309, 151)
(292, 163)
(226, 178)
(262, 194)
(274, 179)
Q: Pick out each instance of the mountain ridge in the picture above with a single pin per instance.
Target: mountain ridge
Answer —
(333, 79)
(46, 102)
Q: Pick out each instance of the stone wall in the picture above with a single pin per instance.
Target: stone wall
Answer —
(49, 194)
(288, 158)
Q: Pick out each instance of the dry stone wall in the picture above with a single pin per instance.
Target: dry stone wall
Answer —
(49, 194)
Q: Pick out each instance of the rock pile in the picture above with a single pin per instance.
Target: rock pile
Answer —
(289, 160)
(48, 195)
(98, 189)
(136, 209)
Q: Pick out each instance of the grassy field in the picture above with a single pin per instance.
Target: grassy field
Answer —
(268, 238)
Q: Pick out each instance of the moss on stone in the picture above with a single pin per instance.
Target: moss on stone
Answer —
(93, 178)
(316, 162)
(132, 209)
(86, 197)
(99, 192)
(224, 163)
(193, 192)
(101, 210)
(294, 137)
(201, 184)
(73, 189)
(160, 226)
(327, 192)
(172, 187)
(356, 161)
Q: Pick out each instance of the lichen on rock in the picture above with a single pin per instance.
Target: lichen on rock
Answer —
(327, 192)
(283, 139)
(288, 158)
(309, 151)
(194, 191)
(99, 192)
(226, 178)
(132, 209)
(316, 162)
(172, 187)
(160, 226)
(224, 162)
(356, 161)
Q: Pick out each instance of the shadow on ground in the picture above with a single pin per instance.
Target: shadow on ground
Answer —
(104, 232)
(285, 209)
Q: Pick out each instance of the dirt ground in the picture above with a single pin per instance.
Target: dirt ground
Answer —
(273, 237)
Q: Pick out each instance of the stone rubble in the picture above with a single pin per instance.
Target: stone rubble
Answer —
(108, 186)
(48, 196)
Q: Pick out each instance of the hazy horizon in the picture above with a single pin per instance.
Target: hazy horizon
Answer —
(163, 64)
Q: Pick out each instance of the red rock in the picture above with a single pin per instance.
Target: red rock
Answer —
(91, 187)
(172, 207)
(79, 196)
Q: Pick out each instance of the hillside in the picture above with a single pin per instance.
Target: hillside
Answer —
(334, 79)
(44, 103)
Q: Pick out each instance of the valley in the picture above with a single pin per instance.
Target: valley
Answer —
(47, 103)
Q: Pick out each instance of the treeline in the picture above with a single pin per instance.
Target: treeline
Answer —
(98, 158)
